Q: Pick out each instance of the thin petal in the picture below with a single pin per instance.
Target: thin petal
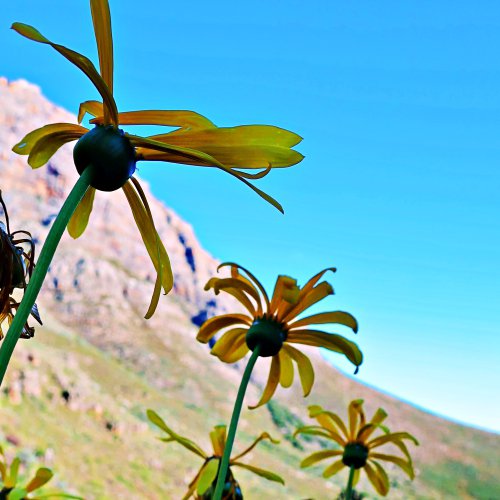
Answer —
(318, 456)
(378, 478)
(263, 436)
(403, 464)
(42, 476)
(329, 341)
(306, 370)
(272, 383)
(307, 300)
(78, 60)
(373, 425)
(227, 340)
(354, 411)
(271, 476)
(173, 436)
(337, 317)
(333, 469)
(286, 373)
(218, 438)
(152, 242)
(244, 285)
(101, 19)
(207, 476)
(80, 218)
(234, 291)
(391, 438)
(186, 120)
(330, 421)
(213, 325)
(315, 430)
(236, 352)
(94, 108)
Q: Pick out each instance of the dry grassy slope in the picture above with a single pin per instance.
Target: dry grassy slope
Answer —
(76, 395)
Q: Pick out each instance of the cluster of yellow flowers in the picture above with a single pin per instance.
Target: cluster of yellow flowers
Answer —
(271, 326)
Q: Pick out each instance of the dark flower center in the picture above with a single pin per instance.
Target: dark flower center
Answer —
(268, 334)
(109, 155)
(355, 455)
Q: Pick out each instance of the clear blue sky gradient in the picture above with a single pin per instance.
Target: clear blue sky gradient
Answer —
(398, 104)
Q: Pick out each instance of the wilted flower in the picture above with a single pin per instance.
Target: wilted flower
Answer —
(203, 485)
(17, 256)
(10, 490)
(112, 154)
(357, 445)
(273, 325)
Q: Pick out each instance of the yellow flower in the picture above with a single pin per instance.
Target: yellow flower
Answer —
(112, 154)
(17, 257)
(202, 486)
(273, 324)
(9, 479)
(358, 446)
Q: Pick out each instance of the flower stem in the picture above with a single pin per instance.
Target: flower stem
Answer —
(348, 490)
(41, 268)
(221, 476)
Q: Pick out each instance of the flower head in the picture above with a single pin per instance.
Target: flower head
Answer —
(273, 325)
(111, 154)
(9, 475)
(358, 446)
(202, 486)
(17, 256)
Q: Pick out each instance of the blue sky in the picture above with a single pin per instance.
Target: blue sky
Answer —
(398, 104)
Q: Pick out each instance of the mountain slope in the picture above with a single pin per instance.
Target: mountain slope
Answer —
(76, 394)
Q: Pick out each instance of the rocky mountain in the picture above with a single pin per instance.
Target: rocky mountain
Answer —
(75, 396)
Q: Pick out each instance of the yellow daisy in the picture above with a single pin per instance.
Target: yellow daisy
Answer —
(111, 154)
(203, 484)
(273, 324)
(358, 447)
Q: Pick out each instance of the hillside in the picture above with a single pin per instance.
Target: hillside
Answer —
(76, 395)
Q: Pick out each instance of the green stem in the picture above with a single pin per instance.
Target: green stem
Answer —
(221, 476)
(41, 268)
(348, 491)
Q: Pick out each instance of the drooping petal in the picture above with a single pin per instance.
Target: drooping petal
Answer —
(316, 430)
(236, 352)
(306, 370)
(244, 285)
(78, 60)
(80, 218)
(330, 421)
(186, 120)
(94, 108)
(224, 344)
(207, 476)
(272, 383)
(173, 436)
(329, 341)
(154, 246)
(213, 325)
(218, 438)
(354, 411)
(192, 485)
(391, 438)
(286, 372)
(333, 469)
(377, 477)
(271, 476)
(101, 19)
(336, 317)
(403, 464)
(307, 300)
(42, 476)
(318, 456)
(263, 436)
(234, 291)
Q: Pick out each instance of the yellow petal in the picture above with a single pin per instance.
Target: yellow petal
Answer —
(244, 285)
(285, 286)
(306, 370)
(378, 478)
(329, 341)
(316, 430)
(391, 438)
(354, 411)
(373, 425)
(330, 421)
(213, 325)
(272, 383)
(94, 108)
(333, 469)
(227, 340)
(235, 292)
(236, 352)
(187, 120)
(152, 242)
(263, 436)
(42, 476)
(337, 317)
(173, 436)
(270, 476)
(318, 456)
(286, 373)
(403, 464)
(207, 476)
(78, 60)
(80, 218)
(308, 299)
(218, 438)
(101, 19)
